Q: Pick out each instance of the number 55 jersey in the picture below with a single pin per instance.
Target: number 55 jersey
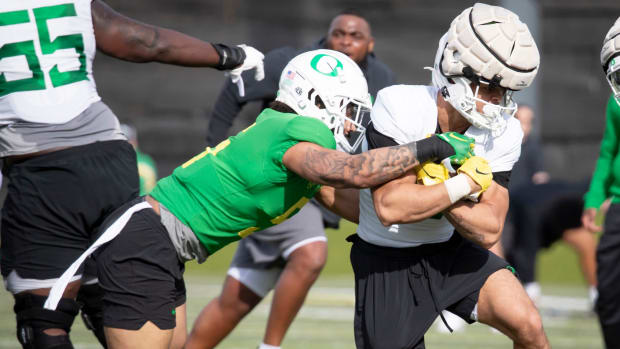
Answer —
(46, 53)
(46, 83)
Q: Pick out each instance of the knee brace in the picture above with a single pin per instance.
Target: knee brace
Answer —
(90, 300)
(33, 319)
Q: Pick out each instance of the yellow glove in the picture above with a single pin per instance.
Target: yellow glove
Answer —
(478, 169)
(430, 173)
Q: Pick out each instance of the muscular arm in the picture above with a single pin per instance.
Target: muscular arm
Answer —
(341, 170)
(404, 201)
(130, 40)
(343, 202)
(482, 222)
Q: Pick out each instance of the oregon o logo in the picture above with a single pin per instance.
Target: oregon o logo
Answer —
(326, 64)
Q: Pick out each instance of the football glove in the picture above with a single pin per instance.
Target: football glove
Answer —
(253, 60)
(452, 146)
(430, 173)
(463, 147)
(478, 169)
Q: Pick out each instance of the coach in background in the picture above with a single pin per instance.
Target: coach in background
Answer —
(292, 254)
(606, 184)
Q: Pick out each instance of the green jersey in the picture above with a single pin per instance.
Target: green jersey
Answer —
(241, 186)
(606, 178)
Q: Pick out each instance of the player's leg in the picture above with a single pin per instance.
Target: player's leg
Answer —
(223, 313)
(179, 335)
(42, 328)
(503, 304)
(302, 244)
(302, 268)
(608, 275)
(149, 336)
(89, 298)
(42, 234)
(584, 243)
(142, 280)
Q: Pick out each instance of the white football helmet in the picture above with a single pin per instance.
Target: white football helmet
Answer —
(610, 58)
(329, 86)
(485, 45)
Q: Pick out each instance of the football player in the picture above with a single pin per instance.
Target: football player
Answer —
(251, 181)
(66, 160)
(288, 257)
(605, 185)
(421, 245)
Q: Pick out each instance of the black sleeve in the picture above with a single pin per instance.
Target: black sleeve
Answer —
(229, 103)
(502, 178)
(376, 139)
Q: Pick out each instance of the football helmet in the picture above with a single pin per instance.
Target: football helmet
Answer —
(610, 59)
(485, 45)
(329, 86)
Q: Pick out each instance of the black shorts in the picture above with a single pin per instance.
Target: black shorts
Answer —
(57, 201)
(140, 274)
(400, 291)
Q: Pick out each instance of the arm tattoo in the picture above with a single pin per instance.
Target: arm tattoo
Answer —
(362, 170)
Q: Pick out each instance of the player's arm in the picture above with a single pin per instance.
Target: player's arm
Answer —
(369, 169)
(403, 200)
(343, 202)
(481, 222)
(128, 39)
(600, 182)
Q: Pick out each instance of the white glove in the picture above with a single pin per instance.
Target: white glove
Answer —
(253, 59)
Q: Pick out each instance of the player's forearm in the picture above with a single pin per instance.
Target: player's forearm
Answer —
(400, 203)
(127, 39)
(476, 223)
(343, 202)
(364, 170)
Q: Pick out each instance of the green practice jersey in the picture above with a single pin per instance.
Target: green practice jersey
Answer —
(241, 186)
(606, 178)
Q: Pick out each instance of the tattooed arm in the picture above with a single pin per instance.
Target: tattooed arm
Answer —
(342, 170)
(127, 39)
(481, 222)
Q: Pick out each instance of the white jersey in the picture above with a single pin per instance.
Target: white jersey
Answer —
(406, 114)
(46, 53)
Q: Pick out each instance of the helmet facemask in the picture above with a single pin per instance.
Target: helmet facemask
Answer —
(464, 99)
(345, 116)
(610, 58)
(613, 77)
(354, 114)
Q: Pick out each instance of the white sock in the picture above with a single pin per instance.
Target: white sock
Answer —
(267, 346)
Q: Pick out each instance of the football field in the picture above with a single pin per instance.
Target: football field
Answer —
(325, 321)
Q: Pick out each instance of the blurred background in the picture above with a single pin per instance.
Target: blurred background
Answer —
(171, 106)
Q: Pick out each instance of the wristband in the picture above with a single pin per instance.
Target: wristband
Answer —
(457, 187)
(230, 56)
(432, 148)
